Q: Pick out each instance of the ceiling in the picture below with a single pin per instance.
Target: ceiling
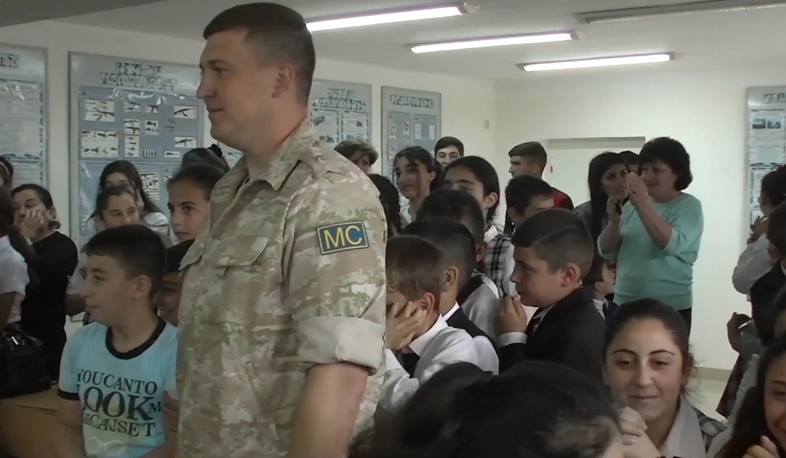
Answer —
(23, 11)
(701, 41)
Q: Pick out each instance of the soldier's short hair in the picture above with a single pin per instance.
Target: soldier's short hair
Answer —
(415, 267)
(278, 31)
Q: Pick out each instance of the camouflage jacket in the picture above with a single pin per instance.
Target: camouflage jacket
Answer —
(291, 274)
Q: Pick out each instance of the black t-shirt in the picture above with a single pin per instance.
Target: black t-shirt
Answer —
(763, 295)
(43, 310)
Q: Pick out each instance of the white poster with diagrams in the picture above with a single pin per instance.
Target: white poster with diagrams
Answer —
(340, 111)
(127, 109)
(23, 112)
(409, 118)
(766, 139)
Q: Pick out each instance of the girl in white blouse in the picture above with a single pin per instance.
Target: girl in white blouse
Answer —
(14, 276)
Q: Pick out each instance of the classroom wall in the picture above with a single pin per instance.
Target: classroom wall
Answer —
(468, 107)
(704, 110)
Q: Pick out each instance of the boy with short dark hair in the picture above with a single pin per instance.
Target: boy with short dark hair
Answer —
(530, 159)
(419, 342)
(553, 252)
(116, 371)
(525, 196)
(447, 150)
(599, 282)
(458, 246)
(480, 292)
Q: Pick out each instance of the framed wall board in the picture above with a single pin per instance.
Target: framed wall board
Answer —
(409, 118)
(340, 111)
(141, 111)
(24, 112)
(765, 139)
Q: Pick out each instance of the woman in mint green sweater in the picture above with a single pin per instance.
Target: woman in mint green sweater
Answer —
(655, 236)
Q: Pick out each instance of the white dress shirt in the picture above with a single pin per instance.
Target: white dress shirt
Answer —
(482, 307)
(487, 355)
(437, 348)
(686, 438)
(14, 277)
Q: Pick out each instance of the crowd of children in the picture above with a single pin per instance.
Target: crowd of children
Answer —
(499, 342)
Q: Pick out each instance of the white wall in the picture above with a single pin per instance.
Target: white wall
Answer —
(466, 104)
(705, 111)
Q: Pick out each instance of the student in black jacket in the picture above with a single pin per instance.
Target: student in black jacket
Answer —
(553, 252)
(456, 243)
(43, 310)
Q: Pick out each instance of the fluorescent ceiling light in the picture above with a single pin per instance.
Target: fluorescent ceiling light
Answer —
(492, 42)
(597, 62)
(385, 17)
(677, 8)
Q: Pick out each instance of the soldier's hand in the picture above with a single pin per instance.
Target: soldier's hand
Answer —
(402, 323)
(512, 316)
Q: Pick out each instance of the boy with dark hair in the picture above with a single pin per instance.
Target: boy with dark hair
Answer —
(360, 153)
(480, 292)
(116, 370)
(530, 159)
(167, 301)
(447, 150)
(189, 199)
(525, 196)
(599, 282)
(553, 252)
(458, 247)
(419, 342)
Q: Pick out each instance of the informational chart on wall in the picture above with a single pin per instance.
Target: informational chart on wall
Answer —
(766, 138)
(409, 118)
(340, 111)
(126, 109)
(23, 112)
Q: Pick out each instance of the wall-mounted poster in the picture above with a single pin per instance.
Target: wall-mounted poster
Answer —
(409, 118)
(766, 139)
(140, 111)
(340, 111)
(23, 112)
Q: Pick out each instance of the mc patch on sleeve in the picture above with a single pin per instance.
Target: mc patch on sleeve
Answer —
(342, 237)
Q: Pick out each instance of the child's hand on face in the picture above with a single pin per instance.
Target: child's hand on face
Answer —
(512, 316)
(403, 321)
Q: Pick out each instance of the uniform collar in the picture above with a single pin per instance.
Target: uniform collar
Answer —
(685, 438)
(294, 149)
(418, 345)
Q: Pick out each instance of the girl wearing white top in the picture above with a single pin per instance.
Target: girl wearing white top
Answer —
(648, 367)
(124, 173)
(14, 275)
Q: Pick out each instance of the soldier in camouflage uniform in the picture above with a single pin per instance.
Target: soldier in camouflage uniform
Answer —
(283, 305)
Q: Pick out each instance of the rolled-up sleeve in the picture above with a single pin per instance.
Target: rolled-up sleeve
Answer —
(336, 273)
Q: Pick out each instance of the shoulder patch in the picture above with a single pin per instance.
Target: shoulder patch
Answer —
(342, 237)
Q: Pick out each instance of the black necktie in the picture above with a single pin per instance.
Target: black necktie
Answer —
(409, 361)
(534, 322)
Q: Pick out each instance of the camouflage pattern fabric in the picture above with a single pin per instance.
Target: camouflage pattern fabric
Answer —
(290, 275)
